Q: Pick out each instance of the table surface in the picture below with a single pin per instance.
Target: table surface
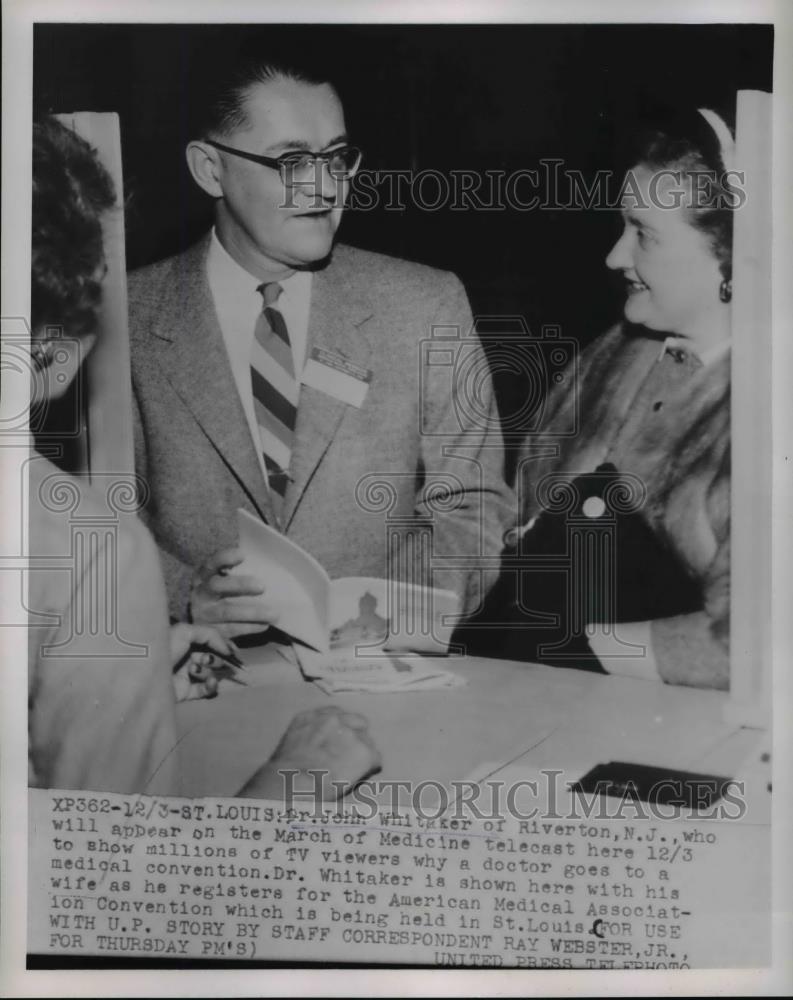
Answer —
(507, 715)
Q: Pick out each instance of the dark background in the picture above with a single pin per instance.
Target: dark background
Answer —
(443, 97)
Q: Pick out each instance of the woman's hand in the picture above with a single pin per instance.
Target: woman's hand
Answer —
(192, 648)
(233, 604)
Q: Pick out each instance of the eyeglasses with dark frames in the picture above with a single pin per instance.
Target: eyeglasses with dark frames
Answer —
(300, 168)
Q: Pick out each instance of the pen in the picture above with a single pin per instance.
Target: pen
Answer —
(231, 658)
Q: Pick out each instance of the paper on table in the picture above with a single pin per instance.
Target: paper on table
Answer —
(345, 672)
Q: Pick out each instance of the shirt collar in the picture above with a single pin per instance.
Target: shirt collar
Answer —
(679, 346)
(236, 281)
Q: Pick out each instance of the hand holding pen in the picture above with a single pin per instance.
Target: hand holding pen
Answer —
(197, 652)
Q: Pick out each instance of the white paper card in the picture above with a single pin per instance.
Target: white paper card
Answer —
(334, 375)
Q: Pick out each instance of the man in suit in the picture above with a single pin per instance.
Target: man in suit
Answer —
(275, 373)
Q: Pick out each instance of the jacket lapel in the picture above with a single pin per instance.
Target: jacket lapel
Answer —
(196, 364)
(337, 323)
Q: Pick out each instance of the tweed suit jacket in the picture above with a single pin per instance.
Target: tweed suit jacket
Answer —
(666, 421)
(411, 451)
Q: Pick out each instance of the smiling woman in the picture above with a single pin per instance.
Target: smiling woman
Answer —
(669, 267)
(676, 245)
(631, 513)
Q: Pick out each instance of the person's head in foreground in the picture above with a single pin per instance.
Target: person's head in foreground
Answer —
(71, 193)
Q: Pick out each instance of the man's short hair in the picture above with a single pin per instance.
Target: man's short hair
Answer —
(223, 108)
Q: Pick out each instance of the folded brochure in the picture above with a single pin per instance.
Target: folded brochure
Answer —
(348, 631)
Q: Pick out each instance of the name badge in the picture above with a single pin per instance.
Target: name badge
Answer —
(334, 375)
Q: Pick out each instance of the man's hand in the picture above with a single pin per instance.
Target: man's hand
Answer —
(233, 604)
(192, 654)
(327, 739)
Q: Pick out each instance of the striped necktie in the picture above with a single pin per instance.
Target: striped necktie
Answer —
(275, 392)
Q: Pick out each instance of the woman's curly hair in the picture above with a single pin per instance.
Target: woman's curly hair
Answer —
(71, 190)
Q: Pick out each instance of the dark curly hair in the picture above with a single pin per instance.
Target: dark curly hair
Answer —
(685, 143)
(71, 190)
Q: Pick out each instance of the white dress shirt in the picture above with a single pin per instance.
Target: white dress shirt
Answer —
(238, 305)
